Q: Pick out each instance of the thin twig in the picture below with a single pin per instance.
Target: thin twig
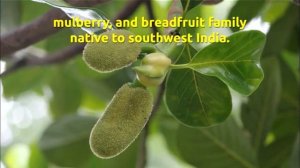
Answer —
(142, 154)
(151, 16)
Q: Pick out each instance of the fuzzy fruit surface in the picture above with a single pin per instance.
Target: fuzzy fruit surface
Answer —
(122, 121)
(110, 56)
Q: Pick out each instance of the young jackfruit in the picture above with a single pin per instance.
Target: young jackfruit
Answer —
(110, 56)
(122, 121)
(153, 69)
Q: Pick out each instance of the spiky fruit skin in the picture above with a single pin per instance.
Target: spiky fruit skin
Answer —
(122, 121)
(110, 56)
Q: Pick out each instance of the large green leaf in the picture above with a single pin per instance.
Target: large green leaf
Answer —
(196, 99)
(259, 112)
(67, 93)
(66, 141)
(220, 146)
(246, 9)
(235, 63)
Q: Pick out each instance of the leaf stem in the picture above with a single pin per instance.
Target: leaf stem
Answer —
(179, 66)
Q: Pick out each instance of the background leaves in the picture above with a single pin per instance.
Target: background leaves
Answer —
(274, 106)
(260, 110)
(226, 142)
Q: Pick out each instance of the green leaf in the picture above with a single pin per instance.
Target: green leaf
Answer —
(23, 80)
(276, 39)
(196, 99)
(36, 158)
(235, 63)
(275, 154)
(294, 161)
(82, 13)
(292, 60)
(259, 112)
(27, 8)
(67, 94)
(66, 141)
(288, 117)
(221, 146)
(274, 10)
(246, 10)
(285, 128)
(190, 4)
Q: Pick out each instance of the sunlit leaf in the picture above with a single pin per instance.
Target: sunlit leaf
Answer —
(236, 63)
(36, 158)
(274, 10)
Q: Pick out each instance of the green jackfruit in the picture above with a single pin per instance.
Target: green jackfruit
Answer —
(122, 121)
(153, 69)
(110, 56)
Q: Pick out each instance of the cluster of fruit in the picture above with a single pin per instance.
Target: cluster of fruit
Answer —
(129, 110)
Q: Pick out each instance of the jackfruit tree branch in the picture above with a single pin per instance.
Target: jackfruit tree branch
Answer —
(54, 58)
(58, 57)
(37, 30)
(151, 16)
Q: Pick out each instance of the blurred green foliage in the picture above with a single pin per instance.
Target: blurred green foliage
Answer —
(267, 138)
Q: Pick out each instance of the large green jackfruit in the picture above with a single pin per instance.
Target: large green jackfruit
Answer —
(122, 121)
